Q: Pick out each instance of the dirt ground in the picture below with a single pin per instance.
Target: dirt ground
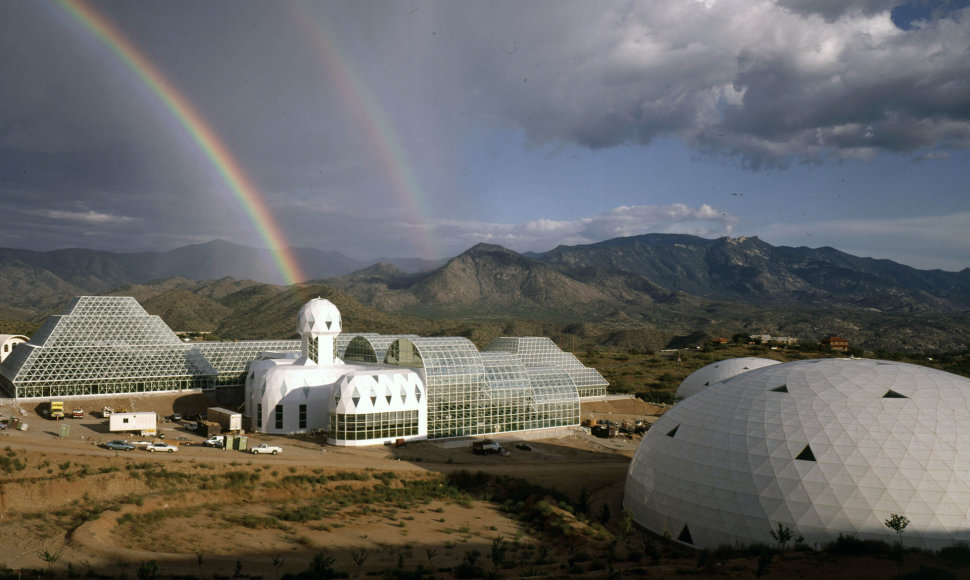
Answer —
(71, 507)
(61, 475)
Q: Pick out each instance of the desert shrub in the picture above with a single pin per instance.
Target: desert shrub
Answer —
(958, 553)
(929, 573)
(850, 545)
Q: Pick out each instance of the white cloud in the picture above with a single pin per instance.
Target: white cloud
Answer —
(544, 234)
(88, 217)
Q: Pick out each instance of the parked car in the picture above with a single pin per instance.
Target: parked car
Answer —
(264, 448)
(175, 417)
(161, 446)
(77, 413)
(119, 445)
(215, 441)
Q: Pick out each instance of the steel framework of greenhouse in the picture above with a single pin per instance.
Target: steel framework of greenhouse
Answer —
(110, 344)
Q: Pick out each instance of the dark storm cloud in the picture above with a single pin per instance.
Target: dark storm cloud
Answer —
(356, 117)
(763, 83)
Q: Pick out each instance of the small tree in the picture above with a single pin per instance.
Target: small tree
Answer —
(278, 561)
(51, 558)
(897, 523)
(782, 535)
(604, 514)
(499, 550)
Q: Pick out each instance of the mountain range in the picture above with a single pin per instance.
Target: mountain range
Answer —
(643, 291)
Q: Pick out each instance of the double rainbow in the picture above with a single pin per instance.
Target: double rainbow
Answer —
(201, 133)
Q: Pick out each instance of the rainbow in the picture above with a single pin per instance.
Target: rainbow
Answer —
(367, 110)
(201, 133)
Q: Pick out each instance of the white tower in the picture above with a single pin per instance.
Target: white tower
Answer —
(318, 324)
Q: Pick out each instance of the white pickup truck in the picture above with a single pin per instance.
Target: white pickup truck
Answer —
(264, 448)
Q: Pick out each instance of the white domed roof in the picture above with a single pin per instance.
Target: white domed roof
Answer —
(824, 447)
(704, 377)
(318, 316)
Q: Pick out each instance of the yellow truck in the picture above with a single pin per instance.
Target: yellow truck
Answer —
(57, 410)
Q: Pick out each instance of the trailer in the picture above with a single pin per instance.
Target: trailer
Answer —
(230, 421)
(145, 423)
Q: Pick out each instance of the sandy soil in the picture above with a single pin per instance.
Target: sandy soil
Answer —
(108, 512)
(63, 474)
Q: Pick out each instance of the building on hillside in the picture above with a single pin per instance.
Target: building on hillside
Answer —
(8, 342)
(766, 338)
(835, 343)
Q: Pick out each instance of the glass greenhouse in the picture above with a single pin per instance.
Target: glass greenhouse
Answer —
(502, 389)
(109, 344)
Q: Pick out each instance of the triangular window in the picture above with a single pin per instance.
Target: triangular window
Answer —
(684, 536)
(673, 431)
(387, 394)
(373, 396)
(781, 389)
(806, 454)
(417, 393)
(707, 384)
(355, 397)
(891, 394)
(336, 395)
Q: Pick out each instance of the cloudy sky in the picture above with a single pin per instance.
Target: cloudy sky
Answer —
(409, 128)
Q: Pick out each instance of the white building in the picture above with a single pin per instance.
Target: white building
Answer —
(367, 404)
(822, 447)
(8, 342)
(366, 389)
(719, 371)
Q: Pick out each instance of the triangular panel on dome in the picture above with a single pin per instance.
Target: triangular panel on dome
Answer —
(673, 431)
(806, 454)
(891, 394)
(781, 389)
(684, 535)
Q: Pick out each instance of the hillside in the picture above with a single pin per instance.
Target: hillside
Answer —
(642, 292)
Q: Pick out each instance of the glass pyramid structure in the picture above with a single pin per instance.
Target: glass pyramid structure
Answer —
(110, 344)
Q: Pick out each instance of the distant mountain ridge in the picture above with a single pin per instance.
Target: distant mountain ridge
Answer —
(657, 285)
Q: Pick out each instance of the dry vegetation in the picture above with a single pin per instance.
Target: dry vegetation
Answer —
(428, 510)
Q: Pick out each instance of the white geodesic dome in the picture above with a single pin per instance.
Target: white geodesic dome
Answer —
(706, 376)
(823, 447)
(319, 316)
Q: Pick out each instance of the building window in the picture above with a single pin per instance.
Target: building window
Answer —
(369, 426)
(313, 348)
(259, 415)
(303, 416)
(279, 416)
